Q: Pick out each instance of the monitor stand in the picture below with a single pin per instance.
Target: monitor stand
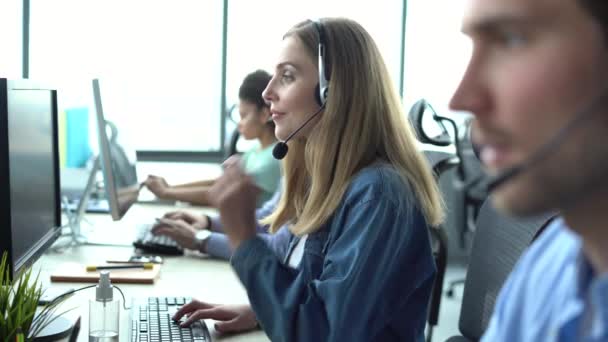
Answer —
(75, 219)
(98, 237)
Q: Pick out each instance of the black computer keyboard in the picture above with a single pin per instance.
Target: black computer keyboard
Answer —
(156, 244)
(151, 321)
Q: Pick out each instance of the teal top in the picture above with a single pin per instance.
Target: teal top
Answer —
(264, 169)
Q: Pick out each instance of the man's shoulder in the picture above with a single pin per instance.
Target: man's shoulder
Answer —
(538, 287)
(545, 269)
(556, 245)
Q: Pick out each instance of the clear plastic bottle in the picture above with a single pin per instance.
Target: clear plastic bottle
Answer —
(104, 312)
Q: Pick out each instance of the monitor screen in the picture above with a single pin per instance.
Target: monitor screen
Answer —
(30, 211)
(120, 177)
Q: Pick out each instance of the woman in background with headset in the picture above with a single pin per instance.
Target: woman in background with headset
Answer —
(358, 199)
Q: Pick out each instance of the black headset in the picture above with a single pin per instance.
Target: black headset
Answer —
(280, 149)
(322, 88)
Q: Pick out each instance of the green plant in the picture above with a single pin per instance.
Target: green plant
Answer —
(18, 303)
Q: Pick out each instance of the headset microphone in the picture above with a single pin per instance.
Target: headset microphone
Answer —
(493, 182)
(280, 149)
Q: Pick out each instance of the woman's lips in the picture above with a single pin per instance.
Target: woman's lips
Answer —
(277, 115)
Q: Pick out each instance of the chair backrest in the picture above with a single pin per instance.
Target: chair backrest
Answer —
(232, 133)
(231, 143)
(440, 162)
(439, 241)
(416, 117)
(498, 243)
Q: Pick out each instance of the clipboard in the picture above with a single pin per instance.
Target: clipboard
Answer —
(77, 273)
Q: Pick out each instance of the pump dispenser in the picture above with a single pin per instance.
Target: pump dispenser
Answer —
(104, 312)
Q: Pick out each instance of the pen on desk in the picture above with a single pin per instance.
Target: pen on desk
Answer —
(145, 266)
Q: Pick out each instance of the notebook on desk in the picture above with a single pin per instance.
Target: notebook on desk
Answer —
(77, 273)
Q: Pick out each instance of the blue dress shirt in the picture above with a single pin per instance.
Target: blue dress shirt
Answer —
(218, 245)
(552, 294)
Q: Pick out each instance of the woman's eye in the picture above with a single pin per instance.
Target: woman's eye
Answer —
(287, 77)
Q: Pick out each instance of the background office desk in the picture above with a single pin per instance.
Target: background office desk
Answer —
(193, 275)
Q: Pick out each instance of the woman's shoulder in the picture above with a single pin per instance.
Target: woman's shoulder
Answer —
(378, 181)
(258, 155)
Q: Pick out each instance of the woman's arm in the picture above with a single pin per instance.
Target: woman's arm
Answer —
(197, 184)
(218, 245)
(194, 195)
(266, 209)
(372, 273)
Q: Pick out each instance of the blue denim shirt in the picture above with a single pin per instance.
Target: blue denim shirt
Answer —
(552, 294)
(366, 275)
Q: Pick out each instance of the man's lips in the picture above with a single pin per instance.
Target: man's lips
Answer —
(495, 157)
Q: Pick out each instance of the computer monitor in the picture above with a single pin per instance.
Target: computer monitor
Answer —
(119, 174)
(30, 217)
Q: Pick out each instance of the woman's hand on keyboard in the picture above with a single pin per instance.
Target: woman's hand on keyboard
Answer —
(196, 221)
(232, 318)
(179, 230)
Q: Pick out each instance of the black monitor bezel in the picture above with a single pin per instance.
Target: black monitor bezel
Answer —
(40, 246)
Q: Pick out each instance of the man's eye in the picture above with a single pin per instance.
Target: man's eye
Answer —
(511, 39)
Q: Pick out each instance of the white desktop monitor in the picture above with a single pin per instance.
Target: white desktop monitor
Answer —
(120, 180)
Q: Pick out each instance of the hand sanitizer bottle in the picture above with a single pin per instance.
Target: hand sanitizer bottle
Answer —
(104, 312)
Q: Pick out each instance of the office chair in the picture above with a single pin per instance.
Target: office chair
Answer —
(466, 166)
(232, 141)
(439, 241)
(440, 162)
(232, 138)
(416, 117)
(472, 198)
(498, 243)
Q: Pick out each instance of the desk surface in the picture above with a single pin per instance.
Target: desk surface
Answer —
(193, 275)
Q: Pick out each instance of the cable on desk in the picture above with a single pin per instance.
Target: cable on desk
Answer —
(123, 298)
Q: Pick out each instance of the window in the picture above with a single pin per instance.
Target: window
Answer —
(11, 37)
(159, 65)
(436, 52)
(256, 28)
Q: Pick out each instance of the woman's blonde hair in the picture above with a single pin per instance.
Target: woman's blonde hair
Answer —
(363, 122)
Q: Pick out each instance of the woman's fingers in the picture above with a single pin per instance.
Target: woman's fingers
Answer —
(190, 307)
(218, 313)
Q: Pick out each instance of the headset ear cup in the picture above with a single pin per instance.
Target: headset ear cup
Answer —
(318, 95)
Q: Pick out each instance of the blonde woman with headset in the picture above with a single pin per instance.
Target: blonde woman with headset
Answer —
(358, 199)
